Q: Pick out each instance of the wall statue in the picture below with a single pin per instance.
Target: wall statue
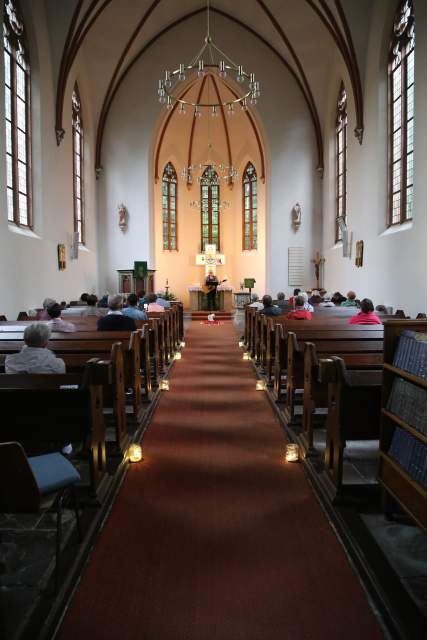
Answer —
(296, 216)
(123, 217)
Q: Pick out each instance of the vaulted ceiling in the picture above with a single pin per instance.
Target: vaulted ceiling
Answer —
(304, 35)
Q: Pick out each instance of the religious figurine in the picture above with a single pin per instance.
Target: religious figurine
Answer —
(318, 262)
(123, 217)
(296, 216)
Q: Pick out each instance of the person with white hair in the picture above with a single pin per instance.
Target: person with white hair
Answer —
(256, 302)
(115, 320)
(162, 301)
(34, 356)
(43, 314)
(307, 305)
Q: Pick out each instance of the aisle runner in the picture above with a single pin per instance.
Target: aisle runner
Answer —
(213, 537)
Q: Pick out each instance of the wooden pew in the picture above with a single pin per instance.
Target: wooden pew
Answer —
(41, 413)
(360, 349)
(354, 405)
(361, 346)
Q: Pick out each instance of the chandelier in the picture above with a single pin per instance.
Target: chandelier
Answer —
(216, 173)
(214, 60)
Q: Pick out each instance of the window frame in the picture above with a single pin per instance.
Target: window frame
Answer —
(210, 180)
(341, 127)
(14, 34)
(253, 210)
(168, 182)
(402, 43)
(77, 120)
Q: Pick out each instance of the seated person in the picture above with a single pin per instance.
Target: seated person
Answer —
(269, 309)
(34, 356)
(91, 309)
(381, 309)
(115, 320)
(300, 312)
(351, 300)
(322, 292)
(103, 303)
(366, 315)
(83, 298)
(292, 298)
(161, 300)
(153, 306)
(337, 298)
(43, 315)
(315, 297)
(307, 305)
(326, 302)
(281, 301)
(132, 311)
(256, 303)
(141, 298)
(55, 321)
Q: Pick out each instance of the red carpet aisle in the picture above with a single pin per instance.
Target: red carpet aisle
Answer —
(212, 537)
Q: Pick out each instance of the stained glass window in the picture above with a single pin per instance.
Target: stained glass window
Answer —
(250, 208)
(17, 117)
(209, 197)
(78, 174)
(341, 160)
(401, 115)
(169, 202)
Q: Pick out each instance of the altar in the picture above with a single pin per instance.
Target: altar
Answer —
(198, 299)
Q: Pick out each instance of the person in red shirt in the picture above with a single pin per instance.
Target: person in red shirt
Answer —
(366, 315)
(300, 313)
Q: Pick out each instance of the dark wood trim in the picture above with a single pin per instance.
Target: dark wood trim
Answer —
(107, 103)
(62, 74)
(224, 122)
(193, 125)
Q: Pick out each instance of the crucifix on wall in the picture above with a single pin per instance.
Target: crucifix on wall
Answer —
(318, 262)
(210, 259)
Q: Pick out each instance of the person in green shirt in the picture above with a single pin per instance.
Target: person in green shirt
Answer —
(351, 300)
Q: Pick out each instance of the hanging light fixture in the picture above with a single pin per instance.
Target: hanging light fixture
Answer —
(209, 59)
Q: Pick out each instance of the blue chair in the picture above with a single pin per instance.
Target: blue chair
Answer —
(35, 485)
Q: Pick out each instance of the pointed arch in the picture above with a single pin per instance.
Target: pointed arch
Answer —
(17, 85)
(209, 214)
(78, 166)
(401, 82)
(169, 208)
(249, 208)
(341, 160)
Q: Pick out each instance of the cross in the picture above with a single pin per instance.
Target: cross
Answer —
(210, 259)
(318, 261)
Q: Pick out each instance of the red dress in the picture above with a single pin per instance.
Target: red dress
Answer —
(365, 318)
(301, 314)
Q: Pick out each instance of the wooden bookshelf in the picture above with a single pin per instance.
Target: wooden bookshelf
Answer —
(395, 481)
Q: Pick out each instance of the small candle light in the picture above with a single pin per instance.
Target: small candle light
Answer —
(241, 343)
(292, 452)
(164, 385)
(260, 385)
(246, 356)
(135, 453)
(178, 355)
(182, 344)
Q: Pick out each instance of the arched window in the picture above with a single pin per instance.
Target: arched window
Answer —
(341, 160)
(209, 196)
(169, 198)
(401, 115)
(250, 208)
(78, 166)
(17, 116)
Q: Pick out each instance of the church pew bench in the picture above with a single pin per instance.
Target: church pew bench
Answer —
(40, 414)
(361, 349)
(361, 352)
(354, 406)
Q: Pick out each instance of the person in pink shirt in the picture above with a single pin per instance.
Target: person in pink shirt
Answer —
(366, 314)
(300, 312)
(55, 321)
(153, 307)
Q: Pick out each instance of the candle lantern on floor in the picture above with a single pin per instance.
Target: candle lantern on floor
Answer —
(135, 453)
(292, 452)
(164, 385)
(246, 356)
(178, 355)
(260, 385)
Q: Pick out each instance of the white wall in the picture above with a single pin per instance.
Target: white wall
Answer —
(393, 271)
(127, 152)
(28, 260)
